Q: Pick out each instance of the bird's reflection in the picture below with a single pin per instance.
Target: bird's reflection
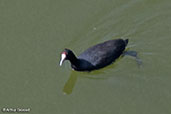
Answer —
(69, 85)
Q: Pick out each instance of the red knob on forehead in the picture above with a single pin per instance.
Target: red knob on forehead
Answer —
(64, 53)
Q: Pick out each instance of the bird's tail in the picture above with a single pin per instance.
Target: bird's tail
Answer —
(126, 41)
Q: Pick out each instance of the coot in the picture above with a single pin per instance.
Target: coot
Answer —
(95, 57)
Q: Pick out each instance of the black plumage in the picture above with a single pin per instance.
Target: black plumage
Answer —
(97, 56)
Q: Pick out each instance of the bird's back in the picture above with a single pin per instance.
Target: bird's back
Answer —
(105, 53)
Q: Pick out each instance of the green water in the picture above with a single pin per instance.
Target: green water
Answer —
(33, 34)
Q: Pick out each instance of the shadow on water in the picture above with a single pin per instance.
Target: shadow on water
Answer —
(71, 82)
(69, 85)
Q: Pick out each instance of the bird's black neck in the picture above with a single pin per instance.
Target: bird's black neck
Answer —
(73, 59)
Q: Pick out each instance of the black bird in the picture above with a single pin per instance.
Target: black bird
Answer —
(95, 57)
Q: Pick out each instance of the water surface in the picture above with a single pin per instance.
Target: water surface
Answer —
(33, 34)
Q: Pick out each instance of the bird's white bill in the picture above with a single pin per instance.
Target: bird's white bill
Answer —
(63, 56)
